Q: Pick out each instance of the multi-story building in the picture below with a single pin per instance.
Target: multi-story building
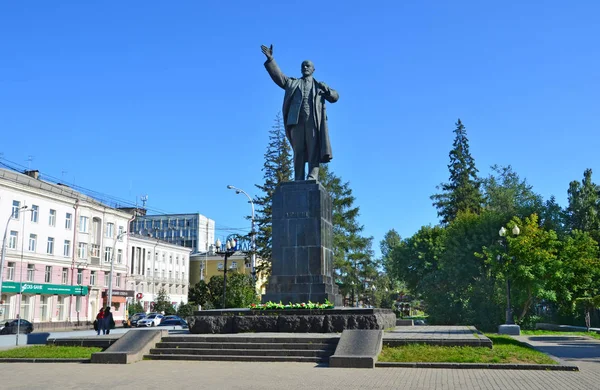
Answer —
(193, 231)
(156, 264)
(59, 247)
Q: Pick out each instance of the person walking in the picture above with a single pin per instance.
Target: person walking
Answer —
(100, 321)
(108, 320)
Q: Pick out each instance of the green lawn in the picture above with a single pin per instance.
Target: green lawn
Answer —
(506, 350)
(558, 333)
(50, 351)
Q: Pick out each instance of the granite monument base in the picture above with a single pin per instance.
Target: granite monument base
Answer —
(290, 321)
(302, 255)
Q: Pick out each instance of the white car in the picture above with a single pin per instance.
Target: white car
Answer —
(152, 319)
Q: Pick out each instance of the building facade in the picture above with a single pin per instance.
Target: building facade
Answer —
(58, 251)
(194, 231)
(155, 264)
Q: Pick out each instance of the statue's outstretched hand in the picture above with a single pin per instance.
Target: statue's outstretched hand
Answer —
(267, 51)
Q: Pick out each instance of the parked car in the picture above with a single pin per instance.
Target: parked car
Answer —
(153, 319)
(177, 321)
(10, 327)
(172, 317)
(133, 320)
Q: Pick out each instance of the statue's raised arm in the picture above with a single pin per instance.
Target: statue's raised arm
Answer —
(267, 51)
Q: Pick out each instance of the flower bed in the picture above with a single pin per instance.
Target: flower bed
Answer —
(280, 306)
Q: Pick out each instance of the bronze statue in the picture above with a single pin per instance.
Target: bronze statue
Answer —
(304, 116)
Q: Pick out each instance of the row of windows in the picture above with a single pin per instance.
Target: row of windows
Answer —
(83, 220)
(82, 249)
(10, 275)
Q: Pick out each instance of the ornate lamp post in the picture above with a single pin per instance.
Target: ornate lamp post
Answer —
(509, 327)
(252, 231)
(229, 250)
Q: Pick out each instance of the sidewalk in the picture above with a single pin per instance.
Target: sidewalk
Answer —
(583, 352)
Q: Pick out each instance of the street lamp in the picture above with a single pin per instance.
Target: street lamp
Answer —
(509, 327)
(112, 266)
(252, 231)
(4, 245)
(229, 250)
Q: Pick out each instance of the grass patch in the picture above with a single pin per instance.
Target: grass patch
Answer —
(506, 350)
(49, 352)
(559, 333)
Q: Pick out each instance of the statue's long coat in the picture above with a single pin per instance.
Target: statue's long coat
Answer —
(289, 84)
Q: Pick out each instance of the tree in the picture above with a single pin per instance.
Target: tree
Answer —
(506, 194)
(277, 169)
(462, 192)
(162, 302)
(186, 310)
(584, 206)
(135, 308)
(391, 240)
(353, 262)
(240, 291)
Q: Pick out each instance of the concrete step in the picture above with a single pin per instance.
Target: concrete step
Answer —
(236, 345)
(238, 358)
(250, 339)
(242, 352)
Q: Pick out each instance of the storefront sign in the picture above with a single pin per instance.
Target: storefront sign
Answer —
(120, 293)
(46, 289)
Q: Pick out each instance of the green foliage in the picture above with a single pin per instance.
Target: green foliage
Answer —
(583, 212)
(135, 308)
(291, 306)
(162, 303)
(353, 262)
(186, 309)
(506, 350)
(462, 193)
(277, 169)
(50, 352)
(240, 292)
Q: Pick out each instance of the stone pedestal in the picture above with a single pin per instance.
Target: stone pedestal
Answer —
(510, 329)
(302, 257)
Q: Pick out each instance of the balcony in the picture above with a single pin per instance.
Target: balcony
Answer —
(95, 251)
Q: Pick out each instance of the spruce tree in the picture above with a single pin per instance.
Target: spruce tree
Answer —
(584, 205)
(462, 193)
(277, 169)
(353, 261)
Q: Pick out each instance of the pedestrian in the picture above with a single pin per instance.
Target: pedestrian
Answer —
(108, 320)
(99, 325)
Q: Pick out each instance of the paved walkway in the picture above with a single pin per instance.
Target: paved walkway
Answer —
(583, 352)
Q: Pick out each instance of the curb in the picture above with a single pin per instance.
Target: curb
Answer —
(42, 360)
(544, 367)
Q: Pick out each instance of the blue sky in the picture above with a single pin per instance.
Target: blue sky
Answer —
(171, 99)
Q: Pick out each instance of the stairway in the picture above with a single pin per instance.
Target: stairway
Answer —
(255, 348)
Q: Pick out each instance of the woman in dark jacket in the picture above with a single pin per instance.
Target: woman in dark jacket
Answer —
(108, 320)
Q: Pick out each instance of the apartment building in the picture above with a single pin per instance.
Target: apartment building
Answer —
(155, 264)
(58, 251)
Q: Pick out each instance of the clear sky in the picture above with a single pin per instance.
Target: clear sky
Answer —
(171, 99)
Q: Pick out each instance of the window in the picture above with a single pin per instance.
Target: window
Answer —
(183, 276)
(48, 274)
(68, 221)
(67, 248)
(176, 259)
(10, 271)
(170, 275)
(106, 276)
(52, 218)
(121, 233)
(107, 254)
(118, 281)
(32, 242)
(233, 265)
(183, 261)
(110, 230)
(83, 224)
(79, 276)
(30, 272)
(65, 276)
(82, 250)
(92, 278)
(119, 256)
(170, 259)
(34, 213)
(50, 246)
(16, 209)
(13, 241)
